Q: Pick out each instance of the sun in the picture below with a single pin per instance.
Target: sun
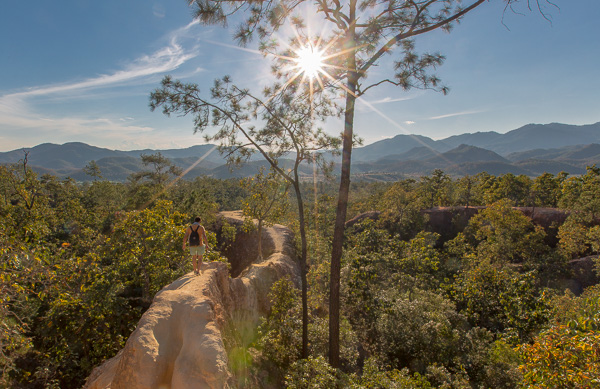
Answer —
(309, 60)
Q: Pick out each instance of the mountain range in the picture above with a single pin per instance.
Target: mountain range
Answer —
(531, 150)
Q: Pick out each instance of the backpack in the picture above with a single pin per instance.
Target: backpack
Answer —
(195, 237)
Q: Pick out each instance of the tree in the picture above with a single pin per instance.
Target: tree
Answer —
(402, 209)
(546, 189)
(566, 355)
(435, 188)
(93, 170)
(149, 184)
(362, 33)
(582, 194)
(266, 202)
(287, 121)
(145, 246)
(505, 235)
(161, 168)
(500, 299)
(510, 187)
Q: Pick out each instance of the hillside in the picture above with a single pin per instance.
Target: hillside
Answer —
(531, 150)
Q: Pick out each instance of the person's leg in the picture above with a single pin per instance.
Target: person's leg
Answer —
(195, 263)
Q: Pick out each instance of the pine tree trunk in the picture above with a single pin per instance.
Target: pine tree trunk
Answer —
(338, 233)
(303, 269)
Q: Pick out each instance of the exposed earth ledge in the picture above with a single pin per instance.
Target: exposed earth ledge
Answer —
(178, 341)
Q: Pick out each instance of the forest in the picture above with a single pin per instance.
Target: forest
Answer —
(485, 306)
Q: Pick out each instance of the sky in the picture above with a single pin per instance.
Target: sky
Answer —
(83, 70)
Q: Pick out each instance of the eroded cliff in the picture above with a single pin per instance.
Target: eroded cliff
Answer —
(178, 342)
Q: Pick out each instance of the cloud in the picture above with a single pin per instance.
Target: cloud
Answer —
(166, 59)
(158, 11)
(454, 114)
(386, 100)
(20, 115)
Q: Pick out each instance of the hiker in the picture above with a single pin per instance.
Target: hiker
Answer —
(196, 236)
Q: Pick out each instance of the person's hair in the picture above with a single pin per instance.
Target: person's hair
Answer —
(197, 220)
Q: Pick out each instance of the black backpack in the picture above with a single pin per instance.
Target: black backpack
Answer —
(195, 237)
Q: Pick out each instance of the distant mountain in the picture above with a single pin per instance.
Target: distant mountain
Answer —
(532, 150)
(472, 160)
(72, 155)
(479, 139)
(396, 145)
(458, 161)
(466, 154)
(537, 154)
(545, 136)
(536, 167)
(492, 167)
(526, 138)
(414, 154)
(583, 153)
(580, 155)
(208, 153)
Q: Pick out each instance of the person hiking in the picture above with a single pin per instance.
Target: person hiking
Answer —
(195, 235)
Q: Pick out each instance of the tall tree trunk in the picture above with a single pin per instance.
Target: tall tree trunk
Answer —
(340, 219)
(303, 268)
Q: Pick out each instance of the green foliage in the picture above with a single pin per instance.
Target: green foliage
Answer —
(266, 195)
(402, 206)
(77, 270)
(435, 189)
(373, 377)
(279, 336)
(85, 321)
(582, 193)
(376, 262)
(465, 191)
(505, 235)
(266, 201)
(515, 190)
(204, 196)
(566, 355)
(579, 236)
(161, 169)
(76, 273)
(418, 329)
(546, 190)
(145, 248)
(502, 300)
(314, 373)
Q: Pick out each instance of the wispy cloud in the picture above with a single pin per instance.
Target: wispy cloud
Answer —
(164, 60)
(454, 114)
(386, 100)
(21, 116)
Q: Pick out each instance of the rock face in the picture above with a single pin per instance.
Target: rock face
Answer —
(449, 221)
(178, 342)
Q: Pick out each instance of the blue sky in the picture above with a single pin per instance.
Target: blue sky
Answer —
(82, 70)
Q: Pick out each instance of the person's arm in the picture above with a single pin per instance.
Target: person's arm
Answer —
(204, 238)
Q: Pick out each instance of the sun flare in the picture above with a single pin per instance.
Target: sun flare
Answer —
(310, 61)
